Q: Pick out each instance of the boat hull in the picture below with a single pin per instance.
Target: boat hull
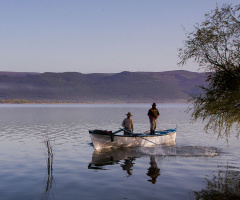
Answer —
(121, 141)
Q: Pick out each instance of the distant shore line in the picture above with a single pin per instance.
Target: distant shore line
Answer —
(24, 101)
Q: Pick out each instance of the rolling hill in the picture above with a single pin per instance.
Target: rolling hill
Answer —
(124, 87)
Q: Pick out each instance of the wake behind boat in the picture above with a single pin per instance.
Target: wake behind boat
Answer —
(108, 139)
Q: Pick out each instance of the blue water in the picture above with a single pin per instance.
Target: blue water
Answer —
(199, 165)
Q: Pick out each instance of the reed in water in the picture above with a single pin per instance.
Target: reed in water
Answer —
(49, 146)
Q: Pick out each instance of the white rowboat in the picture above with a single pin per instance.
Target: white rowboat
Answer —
(108, 139)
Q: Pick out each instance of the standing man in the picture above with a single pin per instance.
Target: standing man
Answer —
(153, 115)
(128, 124)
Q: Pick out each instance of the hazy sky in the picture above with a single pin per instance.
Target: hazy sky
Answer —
(90, 36)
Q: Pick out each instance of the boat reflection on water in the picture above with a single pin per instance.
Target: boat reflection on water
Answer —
(125, 158)
(104, 157)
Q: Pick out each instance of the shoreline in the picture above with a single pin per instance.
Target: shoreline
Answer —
(17, 102)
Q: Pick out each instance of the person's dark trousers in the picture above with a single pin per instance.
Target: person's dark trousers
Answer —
(152, 132)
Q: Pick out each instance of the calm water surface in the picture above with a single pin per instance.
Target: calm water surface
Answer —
(200, 166)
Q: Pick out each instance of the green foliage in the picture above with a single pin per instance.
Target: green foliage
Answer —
(215, 46)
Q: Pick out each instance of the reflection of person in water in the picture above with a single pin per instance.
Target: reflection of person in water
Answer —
(128, 164)
(153, 170)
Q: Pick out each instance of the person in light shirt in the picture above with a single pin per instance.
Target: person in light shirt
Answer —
(128, 124)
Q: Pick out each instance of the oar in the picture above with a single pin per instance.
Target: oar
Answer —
(148, 140)
(113, 134)
(120, 129)
(141, 137)
(146, 131)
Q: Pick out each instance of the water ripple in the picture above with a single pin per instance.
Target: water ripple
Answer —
(188, 151)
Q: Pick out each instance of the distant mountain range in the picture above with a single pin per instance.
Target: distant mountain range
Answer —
(124, 87)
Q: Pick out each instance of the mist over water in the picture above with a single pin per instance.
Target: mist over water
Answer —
(75, 170)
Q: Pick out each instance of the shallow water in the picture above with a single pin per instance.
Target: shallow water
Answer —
(199, 165)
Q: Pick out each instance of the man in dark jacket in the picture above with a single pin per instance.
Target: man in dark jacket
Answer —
(153, 114)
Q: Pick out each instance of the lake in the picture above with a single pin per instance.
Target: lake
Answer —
(199, 166)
